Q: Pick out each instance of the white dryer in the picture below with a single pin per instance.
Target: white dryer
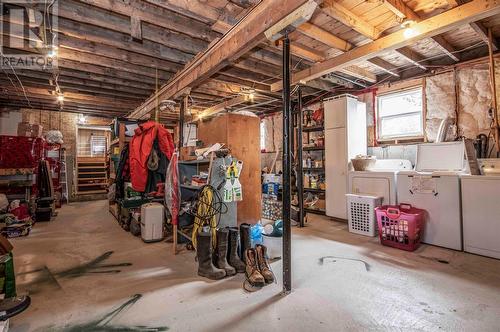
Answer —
(481, 210)
(434, 186)
(380, 180)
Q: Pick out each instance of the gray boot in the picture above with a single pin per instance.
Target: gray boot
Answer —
(221, 252)
(204, 253)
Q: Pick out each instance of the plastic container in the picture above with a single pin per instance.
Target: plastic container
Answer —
(400, 226)
(274, 246)
(361, 213)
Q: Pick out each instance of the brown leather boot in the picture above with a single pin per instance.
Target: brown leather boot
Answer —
(264, 268)
(254, 277)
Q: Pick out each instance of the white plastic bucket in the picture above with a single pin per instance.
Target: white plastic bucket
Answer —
(274, 246)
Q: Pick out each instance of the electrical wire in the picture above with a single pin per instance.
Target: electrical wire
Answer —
(207, 212)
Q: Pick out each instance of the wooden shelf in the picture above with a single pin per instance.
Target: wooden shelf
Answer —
(315, 211)
(314, 148)
(92, 184)
(101, 191)
(314, 190)
(313, 128)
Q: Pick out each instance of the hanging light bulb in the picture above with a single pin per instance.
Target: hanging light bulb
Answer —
(53, 52)
(60, 97)
(408, 32)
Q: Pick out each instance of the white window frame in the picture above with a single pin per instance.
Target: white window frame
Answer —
(418, 135)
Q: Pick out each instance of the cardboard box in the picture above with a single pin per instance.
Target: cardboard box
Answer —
(29, 130)
(187, 153)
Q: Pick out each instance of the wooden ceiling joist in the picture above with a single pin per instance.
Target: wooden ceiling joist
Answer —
(464, 14)
(243, 37)
(385, 66)
(482, 33)
(403, 11)
(345, 16)
(155, 15)
(324, 36)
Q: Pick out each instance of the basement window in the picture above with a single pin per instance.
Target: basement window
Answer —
(400, 115)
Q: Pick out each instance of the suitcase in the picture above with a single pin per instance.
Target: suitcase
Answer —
(152, 216)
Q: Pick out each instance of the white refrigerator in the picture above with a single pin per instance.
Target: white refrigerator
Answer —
(345, 138)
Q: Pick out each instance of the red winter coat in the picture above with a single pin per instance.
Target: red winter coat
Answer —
(140, 148)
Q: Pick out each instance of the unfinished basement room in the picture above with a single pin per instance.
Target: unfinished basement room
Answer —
(249, 165)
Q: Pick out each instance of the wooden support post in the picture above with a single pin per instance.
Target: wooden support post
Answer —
(493, 90)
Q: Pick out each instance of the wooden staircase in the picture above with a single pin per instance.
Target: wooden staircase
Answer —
(92, 176)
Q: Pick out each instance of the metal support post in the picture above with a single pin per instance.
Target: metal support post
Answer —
(300, 171)
(287, 161)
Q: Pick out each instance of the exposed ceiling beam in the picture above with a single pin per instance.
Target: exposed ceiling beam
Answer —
(244, 36)
(451, 19)
(192, 8)
(222, 106)
(403, 11)
(385, 66)
(324, 36)
(478, 27)
(155, 15)
(317, 56)
(482, 33)
(413, 57)
(348, 18)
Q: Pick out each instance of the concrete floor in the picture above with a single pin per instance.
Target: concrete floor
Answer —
(342, 282)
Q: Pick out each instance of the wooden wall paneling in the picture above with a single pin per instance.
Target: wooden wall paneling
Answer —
(242, 135)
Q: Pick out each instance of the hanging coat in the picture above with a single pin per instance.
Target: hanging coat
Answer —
(140, 148)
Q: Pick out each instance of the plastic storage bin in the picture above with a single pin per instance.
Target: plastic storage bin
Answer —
(400, 226)
(361, 213)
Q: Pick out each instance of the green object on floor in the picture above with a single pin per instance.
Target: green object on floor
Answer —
(10, 278)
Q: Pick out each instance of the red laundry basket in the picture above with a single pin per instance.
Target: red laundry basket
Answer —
(400, 226)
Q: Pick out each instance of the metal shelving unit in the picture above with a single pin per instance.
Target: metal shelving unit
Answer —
(303, 189)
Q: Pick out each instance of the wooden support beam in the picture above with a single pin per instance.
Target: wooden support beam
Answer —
(465, 14)
(156, 15)
(222, 106)
(359, 72)
(324, 36)
(247, 34)
(345, 16)
(385, 66)
(412, 56)
(317, 56)
(197, 9)
(482, 33)
(403, 11)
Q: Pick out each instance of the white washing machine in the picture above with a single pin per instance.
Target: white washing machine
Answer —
(434, 186)
(380, 180)
(481, 210)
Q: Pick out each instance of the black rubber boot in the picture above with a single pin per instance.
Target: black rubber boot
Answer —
(232, 254)
(246, 242)
(221, 252)
(204, 253)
